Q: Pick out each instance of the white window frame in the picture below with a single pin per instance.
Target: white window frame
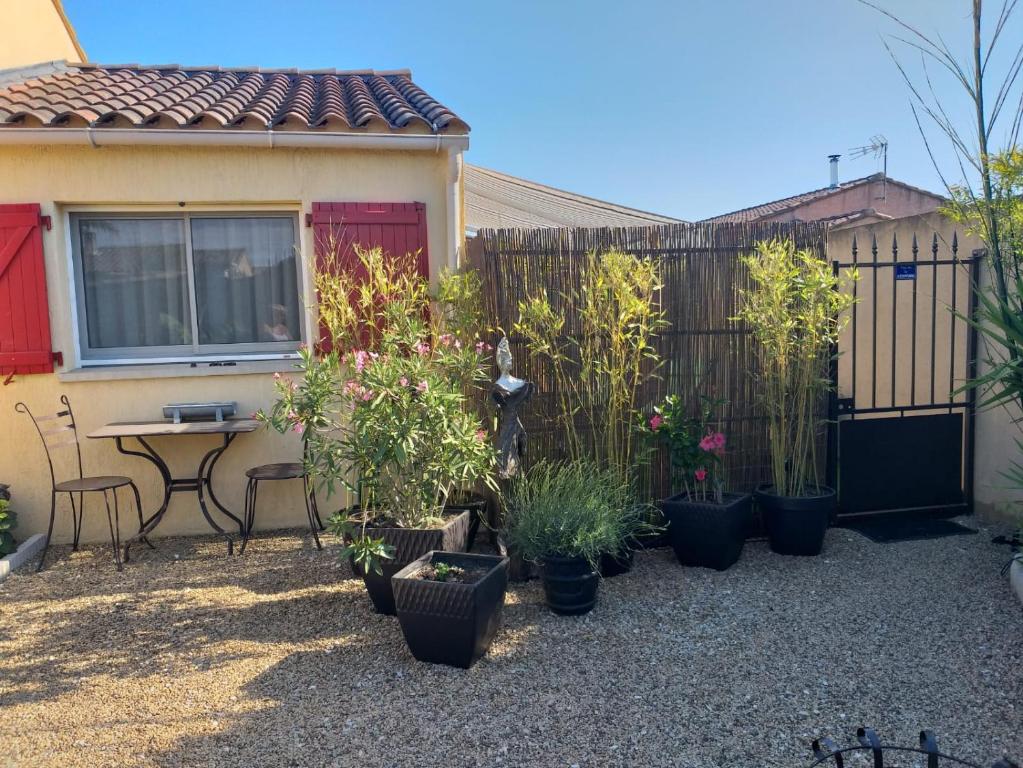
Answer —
(251, 351)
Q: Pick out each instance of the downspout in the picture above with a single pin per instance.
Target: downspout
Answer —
(454, 208)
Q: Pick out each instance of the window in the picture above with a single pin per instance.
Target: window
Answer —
(178, 286)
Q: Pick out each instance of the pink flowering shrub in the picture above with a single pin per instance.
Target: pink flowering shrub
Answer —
(385, 414)
(696, 447)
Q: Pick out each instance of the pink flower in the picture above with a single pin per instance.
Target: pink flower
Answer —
(655, 422)
(277, 376)
(299, 427)
(367, 395)
(482, 346)
(422, 386)
(403, 381)
(701, 475)
(422, 349)
(713, 442)
(361, 358)
(481, 435)
(446, 339)
(351, 387)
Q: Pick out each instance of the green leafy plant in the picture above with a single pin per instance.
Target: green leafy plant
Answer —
(695, 444)
(795, 311)
(8, 519)
(573, 509)
(598, 340)
(384, 415)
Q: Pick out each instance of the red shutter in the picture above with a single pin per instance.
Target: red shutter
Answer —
(397, 228)
(24, 312)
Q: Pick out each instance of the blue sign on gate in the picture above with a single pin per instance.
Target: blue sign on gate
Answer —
(905, 271)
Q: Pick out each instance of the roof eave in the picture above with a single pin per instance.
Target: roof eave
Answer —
(99, 137)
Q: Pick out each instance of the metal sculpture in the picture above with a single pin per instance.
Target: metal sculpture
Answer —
(510, 394)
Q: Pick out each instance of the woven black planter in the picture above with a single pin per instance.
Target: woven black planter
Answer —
(410, 544)
(706, 534)
(451, 623)
(796, 524)
(569, 585)
(476, 506)
(616, 565)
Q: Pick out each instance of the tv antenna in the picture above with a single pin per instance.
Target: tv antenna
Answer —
(878, 148)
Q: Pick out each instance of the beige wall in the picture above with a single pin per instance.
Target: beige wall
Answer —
(995, 433)
(33, 31)
(155, 178)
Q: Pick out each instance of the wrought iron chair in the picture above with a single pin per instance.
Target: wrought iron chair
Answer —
(284, 471)
(60, 431)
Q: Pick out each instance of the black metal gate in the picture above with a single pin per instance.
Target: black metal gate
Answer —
(901, 436)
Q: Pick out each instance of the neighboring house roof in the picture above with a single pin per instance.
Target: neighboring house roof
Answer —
(775, 207)
(133, 96)
(499, 201)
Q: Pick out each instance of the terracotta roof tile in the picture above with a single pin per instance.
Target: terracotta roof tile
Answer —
(170, 96)
(766, 210)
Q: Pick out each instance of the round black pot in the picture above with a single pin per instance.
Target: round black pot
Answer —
(569, 585)
(617, 564)
(705, 534)
(796, 524)
(451, 623)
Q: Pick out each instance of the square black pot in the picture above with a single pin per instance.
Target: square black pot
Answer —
(447, 622)
(410, 544)
(706, 534)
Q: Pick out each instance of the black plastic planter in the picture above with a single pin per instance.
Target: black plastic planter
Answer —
(476, 506)
(410, 544)
(446, 622)
(706, 534)
(569, 585)
(796, 524)
(616, 565)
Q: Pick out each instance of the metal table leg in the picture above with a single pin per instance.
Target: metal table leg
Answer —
(204, 484)
(154, 458)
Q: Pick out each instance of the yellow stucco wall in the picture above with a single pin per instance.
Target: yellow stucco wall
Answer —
(154, 178)
(33, 31)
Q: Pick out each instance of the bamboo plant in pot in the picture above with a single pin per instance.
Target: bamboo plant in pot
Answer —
(597, 340)
(384, 417)
(706, 524)
(795, 310)
(564, 517)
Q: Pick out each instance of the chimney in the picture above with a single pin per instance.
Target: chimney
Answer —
(833, 160)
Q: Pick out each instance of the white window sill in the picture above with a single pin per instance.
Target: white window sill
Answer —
(175, 370)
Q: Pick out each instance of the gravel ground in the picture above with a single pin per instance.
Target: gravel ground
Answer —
(274, 658)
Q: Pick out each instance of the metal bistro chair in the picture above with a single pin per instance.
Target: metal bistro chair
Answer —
(284, 471)
(58, 432)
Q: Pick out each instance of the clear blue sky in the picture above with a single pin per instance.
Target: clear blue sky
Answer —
(684, 107)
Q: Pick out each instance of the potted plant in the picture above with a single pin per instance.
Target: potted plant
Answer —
(384, 416)
(794, 310)
(8, 519)
(706, 525)
(449, 605)
(598, 342)
(564, 517)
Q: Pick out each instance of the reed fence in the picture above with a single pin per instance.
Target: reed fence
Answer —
(703, 350)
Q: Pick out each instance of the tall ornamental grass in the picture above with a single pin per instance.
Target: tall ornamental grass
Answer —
(598, 339)
(795, 311)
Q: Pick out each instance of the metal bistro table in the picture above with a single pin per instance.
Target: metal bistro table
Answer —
(202, 483)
